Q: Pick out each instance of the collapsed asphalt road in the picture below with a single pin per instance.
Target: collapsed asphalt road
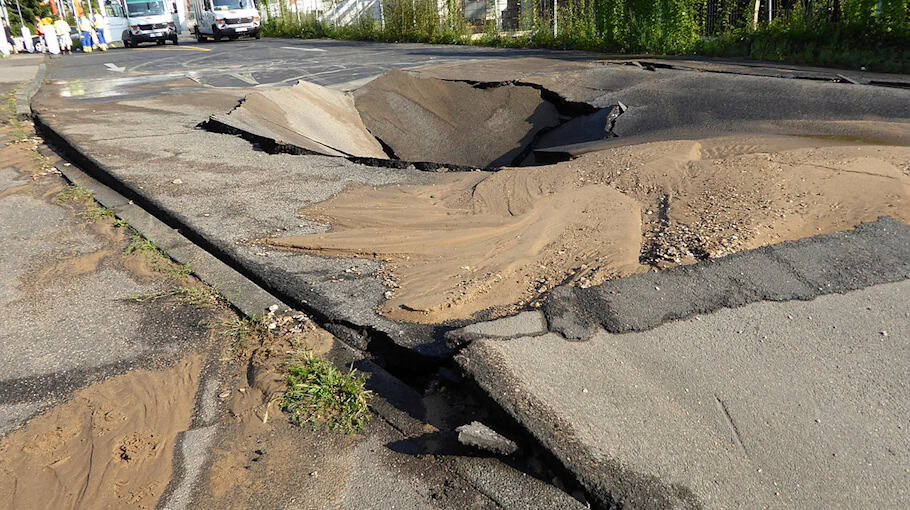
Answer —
(229, 197)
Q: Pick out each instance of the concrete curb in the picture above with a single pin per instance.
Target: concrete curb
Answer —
(247, 297)
(25, 94)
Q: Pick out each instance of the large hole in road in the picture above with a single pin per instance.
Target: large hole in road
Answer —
(399, 119)
(471, 245)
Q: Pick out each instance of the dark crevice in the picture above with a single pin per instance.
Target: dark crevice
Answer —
(563, 105)
(271, 146)
(389, 151)
(522, 156)
(891, 84)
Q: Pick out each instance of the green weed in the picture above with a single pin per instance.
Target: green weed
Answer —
(19, 132)
(91, 210)
(318, 394)
(73, 193)
(155, 257)
(196, 296)
(243, 332)
(140, 244)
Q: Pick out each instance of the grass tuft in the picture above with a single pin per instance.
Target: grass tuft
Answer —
(19, 132)
(91, 210)
(318, 394)
(140, 244)
(244, 332)
(155, 257)
(196, 296)
(73, 193)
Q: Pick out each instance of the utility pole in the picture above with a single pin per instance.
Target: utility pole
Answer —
(555, 17)
(4, 44)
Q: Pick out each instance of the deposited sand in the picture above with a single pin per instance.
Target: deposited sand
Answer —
(481, 241)
(111, 446)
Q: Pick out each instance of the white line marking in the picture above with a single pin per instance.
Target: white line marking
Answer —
(246, 77)
(301, 49)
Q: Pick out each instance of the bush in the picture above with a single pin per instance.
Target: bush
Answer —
(860, 35)
(843, 45)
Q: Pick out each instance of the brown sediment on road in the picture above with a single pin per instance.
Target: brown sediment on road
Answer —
(471, 243)
(262, 460)
(484, 241)
(111, 446)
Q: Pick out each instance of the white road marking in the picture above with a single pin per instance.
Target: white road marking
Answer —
(114, 67)
(301, 49)
(246, 77)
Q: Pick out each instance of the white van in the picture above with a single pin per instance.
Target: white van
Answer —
(225, 18)
(139, 21)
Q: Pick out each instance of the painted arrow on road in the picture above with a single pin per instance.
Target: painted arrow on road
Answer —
(113, 67)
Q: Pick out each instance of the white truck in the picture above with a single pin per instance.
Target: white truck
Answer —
(230, 19)
(139, 21)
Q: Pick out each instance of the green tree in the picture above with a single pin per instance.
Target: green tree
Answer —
(30, 9)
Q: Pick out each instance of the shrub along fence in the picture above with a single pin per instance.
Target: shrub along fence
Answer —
(869, 33)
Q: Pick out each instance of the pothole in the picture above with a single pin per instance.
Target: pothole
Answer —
(400, 119)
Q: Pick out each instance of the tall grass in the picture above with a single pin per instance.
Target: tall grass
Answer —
(867, 33)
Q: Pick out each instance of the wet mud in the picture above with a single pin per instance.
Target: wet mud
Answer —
(111, 446)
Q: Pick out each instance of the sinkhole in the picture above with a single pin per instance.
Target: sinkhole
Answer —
(400, 119)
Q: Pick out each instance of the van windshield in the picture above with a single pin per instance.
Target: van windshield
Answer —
(145, 8)
(227, 5)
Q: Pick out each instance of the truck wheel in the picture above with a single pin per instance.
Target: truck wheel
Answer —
(216, 33)
(175, 41)
(258, 35)
(160, 42)
(199, 36)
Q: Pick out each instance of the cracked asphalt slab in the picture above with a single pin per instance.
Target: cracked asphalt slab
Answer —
(141, 132)
(797, 404)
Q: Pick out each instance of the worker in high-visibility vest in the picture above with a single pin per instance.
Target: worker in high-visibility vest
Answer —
(49, 33)
(100, 24)
(85, 27)
(63, 35)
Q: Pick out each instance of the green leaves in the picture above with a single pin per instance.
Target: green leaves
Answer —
(318, 394)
